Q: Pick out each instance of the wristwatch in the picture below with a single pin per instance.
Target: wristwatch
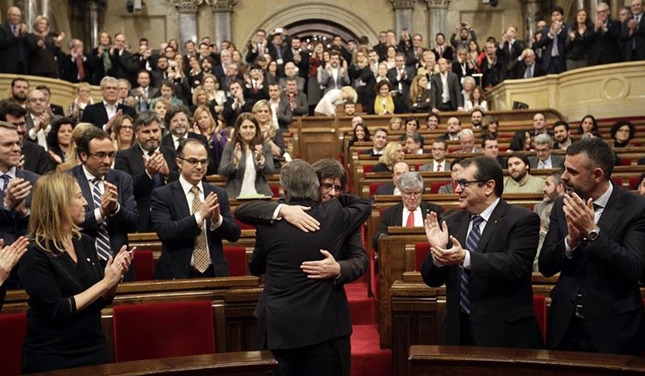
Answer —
(593, 234)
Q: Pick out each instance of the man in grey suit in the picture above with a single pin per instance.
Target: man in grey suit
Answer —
(141, 95)
(544, 158)
(446, 90)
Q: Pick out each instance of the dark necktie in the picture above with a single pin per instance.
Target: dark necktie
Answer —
(5, 182)
(102, 236)
(471, 244)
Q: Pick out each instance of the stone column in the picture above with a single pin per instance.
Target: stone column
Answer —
(92, 11)
(187, 10)
(403, 15)
(222, 10)
(437, 10)
(532, 12)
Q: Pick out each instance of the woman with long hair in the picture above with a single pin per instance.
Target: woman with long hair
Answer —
(420, 98)
(476, 100)
(360, 134)
(123, 133)
(83, 98)
(587, 125)
(521, 141)
(577, 42)
(314, 92)
(212, 129)
(390, 55)
(247, 160)
(271, 133)
(59, 140)
(384, 103)
(272, 75)
(66, 284)
(71, 159)
(392, 154)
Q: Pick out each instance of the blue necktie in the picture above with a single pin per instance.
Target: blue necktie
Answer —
(5, 182)
(471, 244)
(102, 236)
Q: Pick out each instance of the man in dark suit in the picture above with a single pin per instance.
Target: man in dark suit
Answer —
(177, 122)
(529, 68)
(75, 67)
(150, 164)
(34, 158)
(400, 78)
(56, 109)
(484, 254)
(191, 218)
(411, 212)
(604, 46)
(446, 90)
(12, 43)
(544, 158)
(279, 107)
(296, 99)
(595, 241)
(15, 191)
(102, 114)
(634, 33)
(307, 320)
(143, 93)
(299, 58)
(509, 51)
(235, 104)
(111, 211)
(552, 40)
(393, 188)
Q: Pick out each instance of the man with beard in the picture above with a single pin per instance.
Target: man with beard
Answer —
(19, 90)
(335, 75)
(298, 57)
(562, 135)
(595, 241)
(454, 128)
(341, 265)
(177, 121)
(521, 181)
(483, 254)
(149, 163)
(553, 188)
(476, 117)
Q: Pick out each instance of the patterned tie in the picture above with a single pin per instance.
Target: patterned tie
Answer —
(439, 168)
(200, 253)
(102, 236)
(5, 181)
(410, 222)
(471, 244)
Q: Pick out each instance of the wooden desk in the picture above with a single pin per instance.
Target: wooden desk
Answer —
(249, 363)
(482, 361)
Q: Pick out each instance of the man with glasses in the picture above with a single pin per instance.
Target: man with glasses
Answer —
(484, 254)
(111, 211)
(40, 118)
(34, 158)
(438, 164)
(411, 212)
(604, 47)
(102, 114)
(544, 159)
(191, 218)
(150, 164)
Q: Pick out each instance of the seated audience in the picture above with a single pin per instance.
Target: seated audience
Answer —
(379, 140)
(640, 186)
(562, 135)
(247, 160)
(467, 142)
(553, 188)
(454, 127)
(396, 123)
(123, 133)
(59, 140)
(432, 121)
(439, 150)
(476, 119)
(521, 141)
(622, 132)
(490, 124)
(360, 134)
(588, 124)
(384, 101)
(544, 157)
(413, 143)
(490, 148)
(455, 168)
(520, 179)
(394, 188)
(392, 153)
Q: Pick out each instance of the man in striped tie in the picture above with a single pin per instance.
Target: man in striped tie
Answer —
(484, 255)
(111, 210)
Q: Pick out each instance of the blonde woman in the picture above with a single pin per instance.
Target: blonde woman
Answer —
(72, 156)
(66, 284)
(247, 160)
(392, 154)
(334, 97)
(43, 46)
(210, 128)
(83, 98)
(271, 133)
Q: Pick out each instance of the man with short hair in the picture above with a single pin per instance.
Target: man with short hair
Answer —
(299, 57)
(483, 254)
(595, 241)
(432, 121)
(291, 73)
(562, 135)
(413, 143)
(539, 125)
(379, 140)
(297, 99)
(325, 348)
(490, 148)
(446, 90)
(258, 46)
(280, 109)
(553, 40)
(510, 50)
(19, 91)
(34, 158)
(55, 109)
(410, 212)
(143, 93)
(438, 164)
(12, 44)
(381, 47)
(520, 179)
(39, 119)
(476, 118)
(393, 188)
(604, 43)
(111, 211)
(400, 77)
(102, 114)
(76, 66)
(553, 188)
(545, 159)
(191, 217)
(235, 104)
(454, 127)
(634, 33)
(467, 142)
(148, 162)
(334, 76)
(528, 67)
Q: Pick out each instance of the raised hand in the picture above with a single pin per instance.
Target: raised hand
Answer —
(437, 235)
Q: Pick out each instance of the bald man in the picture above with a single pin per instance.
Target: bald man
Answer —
(12, 43)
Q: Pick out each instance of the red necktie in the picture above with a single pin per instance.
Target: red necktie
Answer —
(81, 70)
(410, 222)
(438, 168)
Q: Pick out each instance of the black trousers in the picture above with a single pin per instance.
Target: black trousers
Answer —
(330, 358)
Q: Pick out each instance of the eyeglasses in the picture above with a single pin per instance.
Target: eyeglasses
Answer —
(102, 155)
(411, 194)
(20, 124)
(328, 186)
(195, 161)
(463, 183)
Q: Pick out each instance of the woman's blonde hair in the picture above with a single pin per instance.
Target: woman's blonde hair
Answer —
(72, 157)
(197, 91)
(256, 107)
(39, 18)
(388, 153)
(203, 109)
(50, 218)
(351, 93)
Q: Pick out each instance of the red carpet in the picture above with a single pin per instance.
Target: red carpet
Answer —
(367, 357)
